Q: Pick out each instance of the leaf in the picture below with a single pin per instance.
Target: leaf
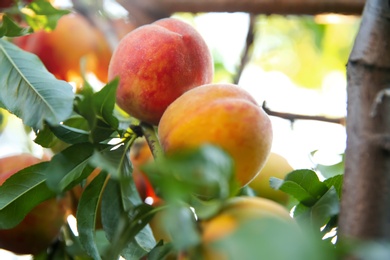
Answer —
(11, 29)
(123, 228)
(67, 168)
(326, 207)
(336, 182)
(304, 185)
(29, 91)
(329, 171)
(70, 134)
(21, 193)
(86, 214)
(104, 102)
(180, 222)
(206, 171)
(160, 251)
(42, 15)
(262, 238)
(98, 110)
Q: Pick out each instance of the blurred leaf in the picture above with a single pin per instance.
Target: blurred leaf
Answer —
(180, 222)
(21, 193)
(66, 169)
(329, 171)
(86, 214)
(160, 251)
(206, 172)
(42, 15)
(29, 91)
(326, 207)
(336, 182)
(11, 29)
(304, 185)
(263, 238)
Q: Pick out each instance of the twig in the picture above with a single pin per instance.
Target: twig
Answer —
(249, 42)
(292, 117)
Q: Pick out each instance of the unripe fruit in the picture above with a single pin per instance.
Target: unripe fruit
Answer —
(224, 115)
(42, 225)
(157, 63)
(275, 166)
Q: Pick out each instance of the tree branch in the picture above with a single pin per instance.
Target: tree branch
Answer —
(293, 117)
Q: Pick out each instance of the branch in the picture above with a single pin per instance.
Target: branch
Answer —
(249, 42)
(292, 117)
(298, 7)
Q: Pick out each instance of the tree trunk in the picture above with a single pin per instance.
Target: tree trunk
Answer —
(365, 205)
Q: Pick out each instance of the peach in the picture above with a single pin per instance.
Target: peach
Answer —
(42, 224)
(61, 50)
(275, 166)
(224, 115)
(236, 211)
(156, 63)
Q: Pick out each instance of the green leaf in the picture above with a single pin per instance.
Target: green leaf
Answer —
(326, 207)
(86, 214)
(329, 171)
(43, 15)
(98, 110)
(104, 102)
(206, 171)
(66, 169)
(180, 222)
(336, 182)
(70, 134)
(29, 91)
(267, 238)
(21, 193)
(123, 228)
(11, 29)
(304, 185)
(160, 251)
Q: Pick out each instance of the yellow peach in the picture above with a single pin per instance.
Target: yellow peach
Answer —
(224, 115)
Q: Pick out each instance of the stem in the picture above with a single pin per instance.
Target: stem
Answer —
(152, 139)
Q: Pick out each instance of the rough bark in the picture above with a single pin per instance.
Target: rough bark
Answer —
(365, 205)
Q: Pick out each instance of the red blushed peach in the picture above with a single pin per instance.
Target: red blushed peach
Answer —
(224, 115)
(157, 63)
(42, 225)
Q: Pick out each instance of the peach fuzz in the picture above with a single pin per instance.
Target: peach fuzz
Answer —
(156, 63)
(224, 115)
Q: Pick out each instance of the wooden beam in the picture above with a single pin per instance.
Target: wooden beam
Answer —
(299, 7)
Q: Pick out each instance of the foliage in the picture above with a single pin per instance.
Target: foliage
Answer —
(98, 135)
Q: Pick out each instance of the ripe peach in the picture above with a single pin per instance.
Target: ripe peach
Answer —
(236, 211)
(275, 166)
(42, 225)
(224, 115)
(61, 50)
(156, 63)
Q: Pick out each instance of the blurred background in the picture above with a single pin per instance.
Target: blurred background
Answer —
(296, 64)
